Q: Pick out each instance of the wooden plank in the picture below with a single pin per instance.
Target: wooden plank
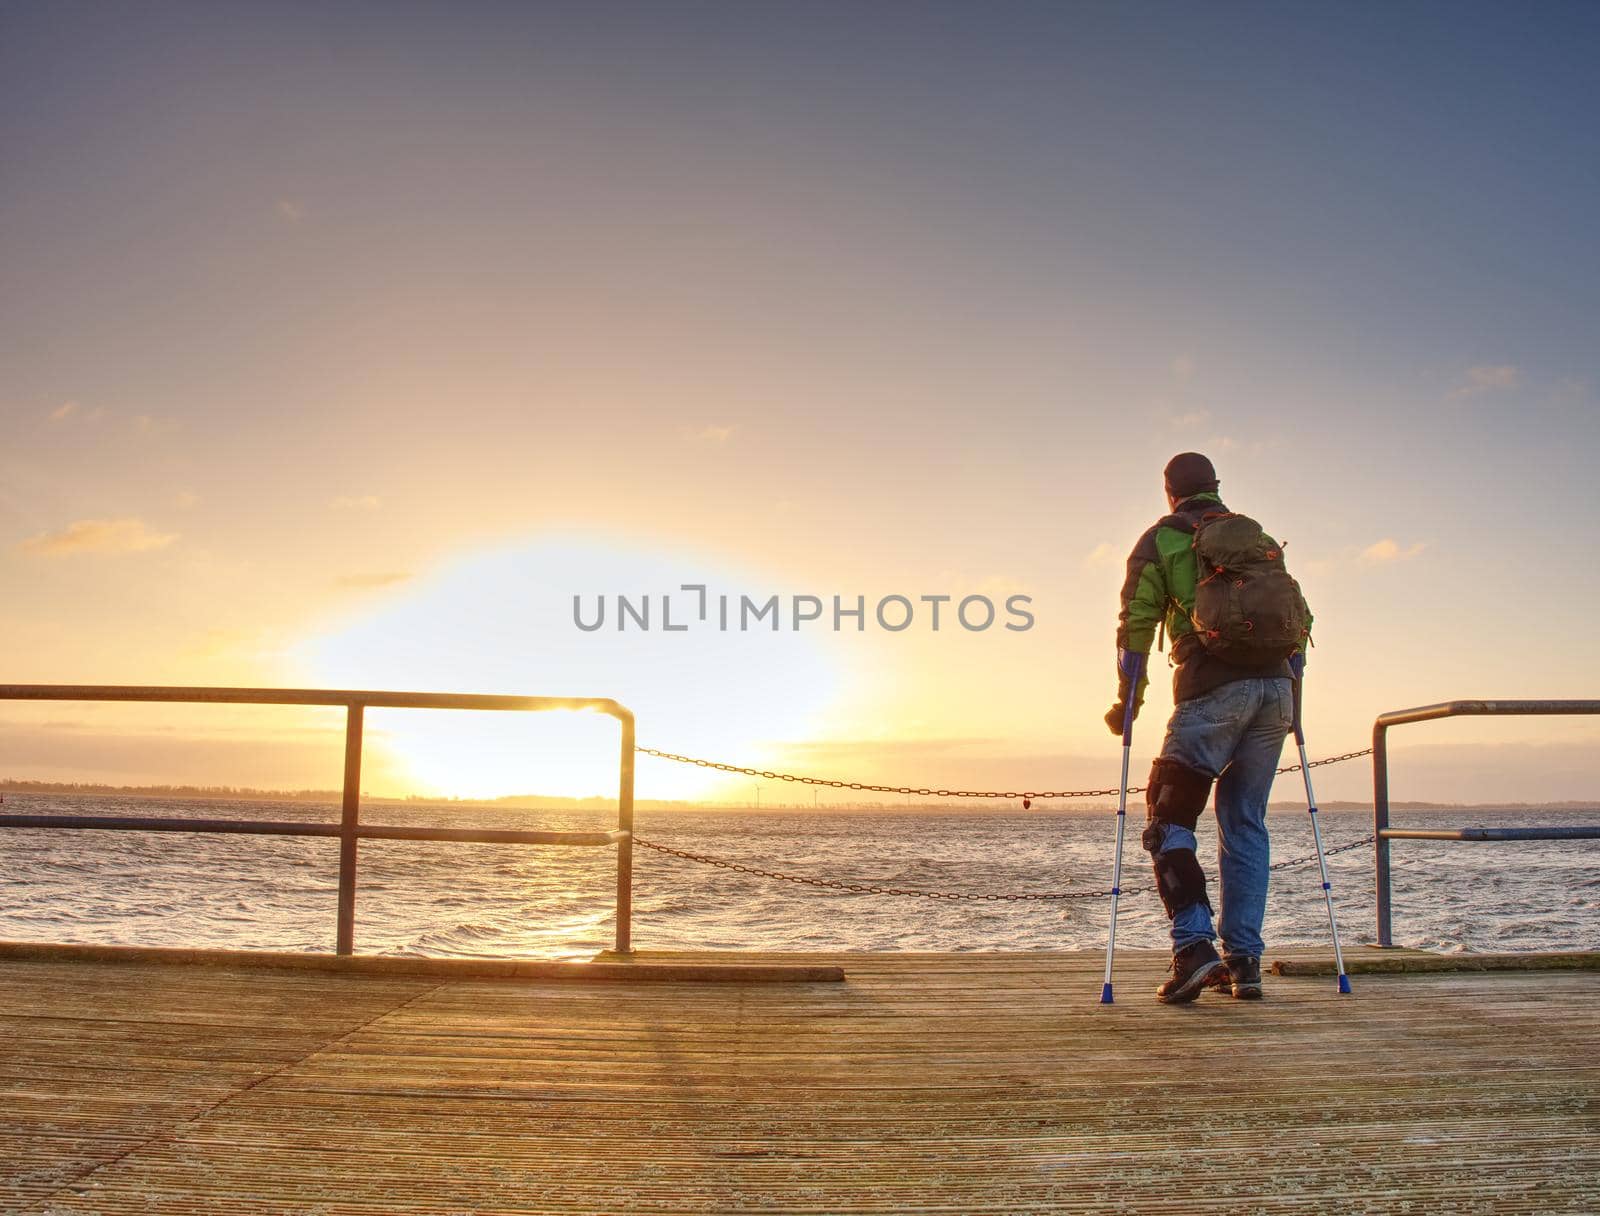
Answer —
(930, 1083)
(609, 968)
(1413, 962)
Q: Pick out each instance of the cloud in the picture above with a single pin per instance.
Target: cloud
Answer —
(147, 424)
(714, 434)
(290, 209)
(1102, 554)
(98, 536)
(1389, 550)
(186, 499)
(1189, 420)
(356, 502)
(1183, 367)
(368, 582)
(1488, 379)
(71, 409)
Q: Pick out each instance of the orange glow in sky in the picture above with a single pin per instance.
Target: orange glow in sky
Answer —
(334, 355)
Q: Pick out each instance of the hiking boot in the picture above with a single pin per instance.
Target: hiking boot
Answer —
(1244, 977)
(1191, 968)
(1239, 976)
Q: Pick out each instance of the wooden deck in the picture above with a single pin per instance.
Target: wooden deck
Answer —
(932, 1083)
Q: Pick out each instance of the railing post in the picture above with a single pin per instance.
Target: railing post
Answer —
(349, 820)
(1380, 821)
(625, 845)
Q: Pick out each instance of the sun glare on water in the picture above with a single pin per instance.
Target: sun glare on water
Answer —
(501, 621)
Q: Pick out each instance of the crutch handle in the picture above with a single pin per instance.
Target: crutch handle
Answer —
(1297, 665)
(1130, 664)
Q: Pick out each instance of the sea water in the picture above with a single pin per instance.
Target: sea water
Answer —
(439, 899)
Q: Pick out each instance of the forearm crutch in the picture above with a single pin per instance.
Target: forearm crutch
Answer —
(1135, 664)
(1298, 665)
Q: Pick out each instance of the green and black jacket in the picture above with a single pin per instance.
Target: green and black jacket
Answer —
(1159, 591)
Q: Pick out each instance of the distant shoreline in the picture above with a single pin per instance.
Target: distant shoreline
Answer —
(541, 802)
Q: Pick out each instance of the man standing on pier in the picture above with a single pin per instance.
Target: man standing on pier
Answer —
(1233, 705)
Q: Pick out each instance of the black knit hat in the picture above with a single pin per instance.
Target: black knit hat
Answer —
(1188, 474)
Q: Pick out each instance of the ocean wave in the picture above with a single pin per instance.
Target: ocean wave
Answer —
(434, 899)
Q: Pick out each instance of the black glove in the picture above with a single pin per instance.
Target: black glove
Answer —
(1129, 664)
(1115, 714)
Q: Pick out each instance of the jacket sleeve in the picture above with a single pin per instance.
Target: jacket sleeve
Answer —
(1144, 596)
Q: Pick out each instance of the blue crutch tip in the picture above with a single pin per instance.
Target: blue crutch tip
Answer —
(1105, 995)
(1344, 985)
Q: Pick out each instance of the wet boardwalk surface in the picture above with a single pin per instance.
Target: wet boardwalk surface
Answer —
(931, 1083)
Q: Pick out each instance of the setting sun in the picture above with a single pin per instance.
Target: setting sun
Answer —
(501, 620)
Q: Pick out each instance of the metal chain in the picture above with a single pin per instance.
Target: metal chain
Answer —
(1009, 795)
(1308, 858)
(858, 888)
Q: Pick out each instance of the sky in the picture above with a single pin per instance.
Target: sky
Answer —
(345, 345)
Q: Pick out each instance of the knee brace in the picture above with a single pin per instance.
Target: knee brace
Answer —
(1177, 793)
(1180, 881)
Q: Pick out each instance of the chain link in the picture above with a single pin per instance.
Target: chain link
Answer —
(1308, 858)
(859, 888)
(1009, 795)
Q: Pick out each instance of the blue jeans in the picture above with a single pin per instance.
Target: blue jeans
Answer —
(1236, 733)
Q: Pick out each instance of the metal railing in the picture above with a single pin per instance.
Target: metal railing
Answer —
(350, 830)
(1381, 831)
